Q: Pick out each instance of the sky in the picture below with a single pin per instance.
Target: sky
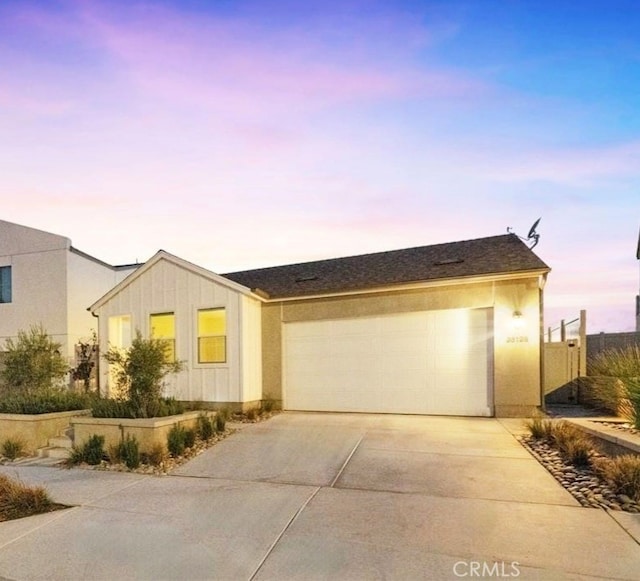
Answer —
(242, 134)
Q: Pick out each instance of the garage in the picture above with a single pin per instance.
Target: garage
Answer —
(426, 362)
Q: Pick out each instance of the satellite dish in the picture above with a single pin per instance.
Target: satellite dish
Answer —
(532, 231)
(532, 235)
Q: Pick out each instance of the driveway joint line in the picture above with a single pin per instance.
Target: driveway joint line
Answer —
(625, 529)
(346, 461)
(63, 512)
(283, 531)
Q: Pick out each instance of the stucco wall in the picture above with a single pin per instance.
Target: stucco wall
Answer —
(516, 344)
(51, 285)
(39, 295)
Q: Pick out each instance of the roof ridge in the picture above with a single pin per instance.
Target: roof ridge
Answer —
(369, 254)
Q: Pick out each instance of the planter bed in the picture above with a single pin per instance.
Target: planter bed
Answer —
(148, 431)
(614, 441)
(34, 430)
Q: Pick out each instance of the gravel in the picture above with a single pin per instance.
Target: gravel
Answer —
(582, 482)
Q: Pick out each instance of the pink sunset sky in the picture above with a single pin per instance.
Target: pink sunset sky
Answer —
(247, 134)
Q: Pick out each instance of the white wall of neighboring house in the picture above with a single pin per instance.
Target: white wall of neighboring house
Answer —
(38, 281)
(87, 280)
(168, 286)
(52, 285)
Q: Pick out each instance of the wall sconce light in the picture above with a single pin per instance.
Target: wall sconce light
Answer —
(518, 319)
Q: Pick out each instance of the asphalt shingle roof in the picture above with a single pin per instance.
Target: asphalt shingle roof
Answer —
(494, 255)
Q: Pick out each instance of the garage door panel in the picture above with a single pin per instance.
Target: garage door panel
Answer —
(428, 362)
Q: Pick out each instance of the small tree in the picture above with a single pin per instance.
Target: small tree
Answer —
(86, 352)
(140, 371)
(33, 362)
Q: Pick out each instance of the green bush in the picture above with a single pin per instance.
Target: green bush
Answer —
(129, 452)
(116, 408)
(12, 448)
(204, 427)
(33, 362)
(139, 373)
(44, 402)
(91, 452)
(176, 440)
(189, 438)
(221, 419)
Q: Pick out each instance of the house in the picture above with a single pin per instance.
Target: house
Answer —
(45, 280)
(452, 329)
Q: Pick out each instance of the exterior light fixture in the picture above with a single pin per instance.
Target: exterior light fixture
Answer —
(517, 319)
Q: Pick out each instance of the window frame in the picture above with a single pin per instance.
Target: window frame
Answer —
(198, 336)
(6, 285)
(173, 353)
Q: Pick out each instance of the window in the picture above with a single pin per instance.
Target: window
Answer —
(212, 336)
(163, 327)
(5, 284)
(120, 331)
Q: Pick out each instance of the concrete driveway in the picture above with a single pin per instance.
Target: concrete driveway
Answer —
(327, 496)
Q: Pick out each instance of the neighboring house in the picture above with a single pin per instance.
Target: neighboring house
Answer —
(451, 329)
(45, 281)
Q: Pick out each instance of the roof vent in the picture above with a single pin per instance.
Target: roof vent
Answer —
(448, 261)
(306, 278)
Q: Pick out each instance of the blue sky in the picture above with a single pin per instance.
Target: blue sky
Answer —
(246, 134)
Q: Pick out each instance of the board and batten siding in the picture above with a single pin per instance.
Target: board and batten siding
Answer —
(168, 287)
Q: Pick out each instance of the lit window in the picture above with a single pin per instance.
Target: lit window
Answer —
(212, 336)
(163, 327)
(120, 331)
(5, 284)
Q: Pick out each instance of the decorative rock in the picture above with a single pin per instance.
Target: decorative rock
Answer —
(581, 482)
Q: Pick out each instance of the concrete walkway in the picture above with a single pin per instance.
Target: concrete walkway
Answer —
(326, 496)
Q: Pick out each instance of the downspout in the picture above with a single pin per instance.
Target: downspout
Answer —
(98, 354)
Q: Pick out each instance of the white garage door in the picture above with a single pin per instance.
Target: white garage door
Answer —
(431, 362)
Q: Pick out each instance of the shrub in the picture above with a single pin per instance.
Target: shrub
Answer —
(33, 362)
(86, 355)
(176, 440)
(18, 500)
(12, 448)
(117, 408)
(44, 402)
(268, 405)
(577, 450)
(156, 456)
(539, 428)
(222, 415)
(129, 452)
(140, 371)
(622, 473)
(204, 427)
(189, 438)
(91, 452)
(624, 365)
(251, 414)
(573, 444)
